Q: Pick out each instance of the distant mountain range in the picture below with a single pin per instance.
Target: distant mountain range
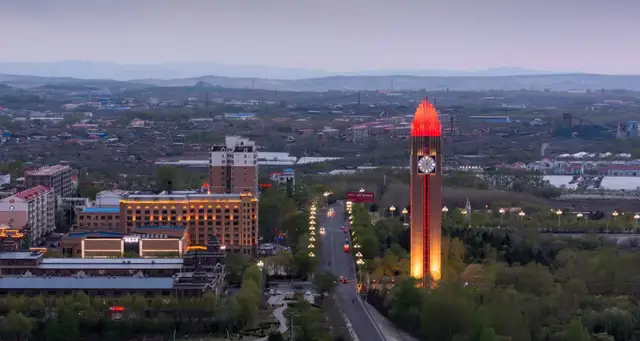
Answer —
(102, 70)
(114, 76)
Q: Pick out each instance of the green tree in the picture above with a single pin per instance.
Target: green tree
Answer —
(275, 336)
(575, 331)
(325, 281)
(17, 326)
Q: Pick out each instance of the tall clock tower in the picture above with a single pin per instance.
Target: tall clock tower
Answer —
(426, 194)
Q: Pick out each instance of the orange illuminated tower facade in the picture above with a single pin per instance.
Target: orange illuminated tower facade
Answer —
(426, 194)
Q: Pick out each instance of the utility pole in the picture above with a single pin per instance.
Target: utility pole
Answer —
(292, 338)
(358, 98)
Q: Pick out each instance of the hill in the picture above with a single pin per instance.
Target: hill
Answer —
(554, 82)
(26, 82)
(557, 82)
(106, 70)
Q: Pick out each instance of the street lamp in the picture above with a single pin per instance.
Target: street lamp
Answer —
(362, 190)
(311, 254)
(614, 214)
(260, 264)
(359, 255)
(559, 213)
(521, 214)
(392, 209)
(311, 246)
(444, 211)
(636, 217)
(357, 246)
(360, 261)
(404, 211)
(311, 239)
(501, 211)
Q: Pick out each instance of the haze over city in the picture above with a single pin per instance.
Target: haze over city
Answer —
(341, 36)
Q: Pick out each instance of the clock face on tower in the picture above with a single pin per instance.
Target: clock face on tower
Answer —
(426, 165)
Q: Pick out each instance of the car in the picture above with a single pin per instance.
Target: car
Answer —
(322, 231)
(278, 292)
(307, 293)
(272, 292)
(342, 227)
(343, 280)
(345, 231)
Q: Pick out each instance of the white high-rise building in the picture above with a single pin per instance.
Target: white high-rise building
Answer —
(233, 167)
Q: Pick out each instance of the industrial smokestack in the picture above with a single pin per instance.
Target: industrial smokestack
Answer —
(169, 187)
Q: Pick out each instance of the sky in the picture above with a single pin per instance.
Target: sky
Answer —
(337, 35)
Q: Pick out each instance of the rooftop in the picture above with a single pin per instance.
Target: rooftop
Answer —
(101, 210)
(111, 263)
(101, 234)
(177, 196)
(31, 192)
(166, 227)
(48, 170)
(87, 283)
(19, 255)
(425, 121)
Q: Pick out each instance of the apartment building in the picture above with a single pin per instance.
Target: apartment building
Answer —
(59, 178)
(31, 211)
(233, 167)
(231, 218)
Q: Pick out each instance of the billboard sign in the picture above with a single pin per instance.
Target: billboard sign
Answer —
(361, 197)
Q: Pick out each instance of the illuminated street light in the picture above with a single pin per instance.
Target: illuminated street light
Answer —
(392, 209)
(311, 246)
(312, 228)
(357, 246)
(614, 214)
(312, 239)
(349, 203)
(521, 214)
(362, 190)
(360, 262)
(312, 233)
(501, 211)
(580, 215)
(311, 254)
(260, 264)
(559, 213)
(359, 255)
(463, 211)
(444, 212)
(405, 211)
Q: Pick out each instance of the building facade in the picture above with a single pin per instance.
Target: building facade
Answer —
(426, 195)
(231, 218)
(59, 178)
(31, 211)
(233, 167)
(99, 219)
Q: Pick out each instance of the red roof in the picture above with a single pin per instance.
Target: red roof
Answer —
(425, 121)
(32, 192)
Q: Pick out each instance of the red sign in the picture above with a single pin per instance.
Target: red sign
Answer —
(263, 186)
(358, 197)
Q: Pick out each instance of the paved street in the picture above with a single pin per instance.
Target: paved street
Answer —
(342, 265)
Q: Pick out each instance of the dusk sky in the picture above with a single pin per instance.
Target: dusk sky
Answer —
(338, 35)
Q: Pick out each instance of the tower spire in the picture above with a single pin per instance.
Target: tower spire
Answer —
(425, 120)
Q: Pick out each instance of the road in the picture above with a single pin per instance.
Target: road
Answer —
(342, 264)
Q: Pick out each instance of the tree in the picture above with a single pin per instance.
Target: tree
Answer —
(325, 281)
(17, 326)
(275, 336)
(576, 332)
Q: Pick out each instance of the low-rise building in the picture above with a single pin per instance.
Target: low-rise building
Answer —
(31, 211)
(230, 218)
(99, 219)
(144, 241)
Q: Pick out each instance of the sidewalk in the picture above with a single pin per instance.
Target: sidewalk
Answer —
(387, 329)
(279, 314)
